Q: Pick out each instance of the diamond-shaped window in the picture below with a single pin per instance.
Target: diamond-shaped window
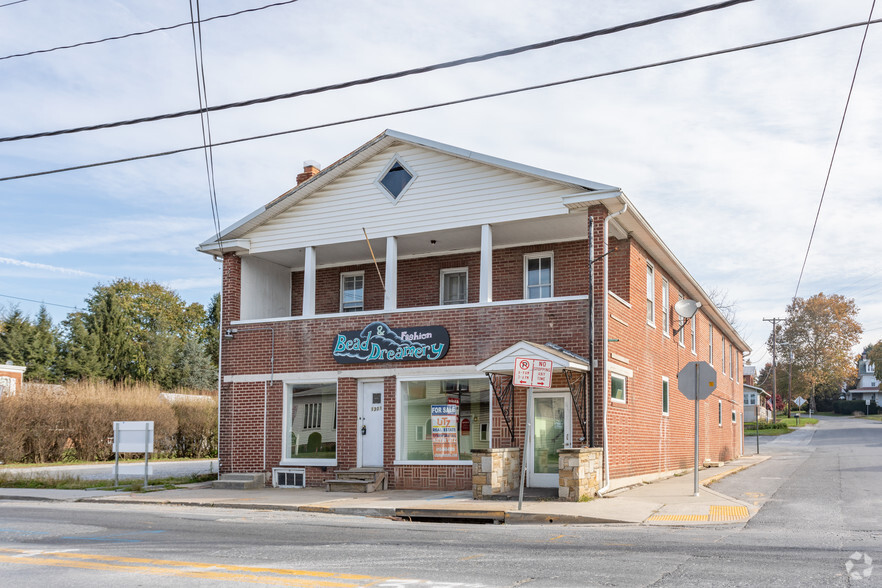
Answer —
(396, 179)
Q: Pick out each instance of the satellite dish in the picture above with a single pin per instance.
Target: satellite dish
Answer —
(687, 308)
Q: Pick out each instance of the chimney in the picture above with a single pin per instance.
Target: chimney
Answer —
(310, 169)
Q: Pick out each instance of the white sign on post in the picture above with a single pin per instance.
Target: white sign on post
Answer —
(799, 401)
(133, 436)
(532, 372)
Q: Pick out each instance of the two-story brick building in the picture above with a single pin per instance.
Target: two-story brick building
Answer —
(372, 315)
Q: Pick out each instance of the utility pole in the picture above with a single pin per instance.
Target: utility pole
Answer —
(774, 322)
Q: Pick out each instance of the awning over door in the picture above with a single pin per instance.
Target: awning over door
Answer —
(500, 368)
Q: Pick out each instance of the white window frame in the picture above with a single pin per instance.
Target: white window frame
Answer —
(734, 417)
(343, 276)
(694, 333)
(624, 398)
(286, 433)
(650, 294)
(720, 413)
(379, 183)
(402, 381)
(450, 271)
(723, 366)
(666, 395)
(710, 343)
(666, 307)
(681, 324)
(538, 255)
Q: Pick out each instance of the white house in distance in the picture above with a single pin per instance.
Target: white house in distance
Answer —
(868, 385)
(11, 378)
(755, 403)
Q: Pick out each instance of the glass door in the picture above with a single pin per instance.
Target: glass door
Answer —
(551, 426)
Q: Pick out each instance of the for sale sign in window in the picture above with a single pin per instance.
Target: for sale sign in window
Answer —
(445, 419)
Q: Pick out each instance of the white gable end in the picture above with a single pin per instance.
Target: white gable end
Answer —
(448, 192)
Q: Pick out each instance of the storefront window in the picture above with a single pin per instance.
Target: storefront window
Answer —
(443, 420)
(311, 422)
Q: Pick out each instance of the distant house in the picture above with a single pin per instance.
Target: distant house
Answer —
(756, 403)
(11, 379)
(418, 309)
(868, 386)
(750, 375)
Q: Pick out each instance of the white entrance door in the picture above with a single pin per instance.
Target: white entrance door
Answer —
(370, 424)
(551, 423)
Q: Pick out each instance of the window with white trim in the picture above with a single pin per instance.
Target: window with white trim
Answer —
(666, 308)
(416, 441)
(308, 436)
(694, 329)
(395, 178)
(617, 385)
(720, 413)
(734, 417)
(650, 294)
(723, 365)
(351, 291)
(538, 275)
(455, 285)
(665, 395)
(710, 343)
(681, 321)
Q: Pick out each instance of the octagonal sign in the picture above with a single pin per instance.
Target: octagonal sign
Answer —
(697, 371)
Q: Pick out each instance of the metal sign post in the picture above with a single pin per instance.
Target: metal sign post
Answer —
(697, 380)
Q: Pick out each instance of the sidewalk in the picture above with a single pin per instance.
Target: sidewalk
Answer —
(665, 502)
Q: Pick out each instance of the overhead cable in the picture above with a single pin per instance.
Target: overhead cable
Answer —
(448, 103)
(139, 33)
(390, 76)
(835, 147)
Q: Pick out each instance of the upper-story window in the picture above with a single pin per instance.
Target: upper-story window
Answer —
(650, 294)
(724, 354)
(710, 343)
(680, 325)
(666, 308)
(395, 178)
(694, 329)
(538, 275)
(455, 286)
(352, 292)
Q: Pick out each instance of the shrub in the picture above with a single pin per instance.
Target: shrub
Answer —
(853, 406)
(61, 423)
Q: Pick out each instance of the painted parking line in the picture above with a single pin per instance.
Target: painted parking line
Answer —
(208, 571)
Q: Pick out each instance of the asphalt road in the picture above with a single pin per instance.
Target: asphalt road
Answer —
(818, 494)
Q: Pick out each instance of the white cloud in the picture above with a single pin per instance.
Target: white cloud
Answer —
(48, 268)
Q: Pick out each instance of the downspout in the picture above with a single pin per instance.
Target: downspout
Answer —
(605, 346)
(220, 344)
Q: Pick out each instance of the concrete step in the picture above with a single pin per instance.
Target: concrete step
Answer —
(240, 481)
(358, 480)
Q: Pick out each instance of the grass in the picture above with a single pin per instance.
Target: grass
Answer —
(791, 422)
(765, 432)
(75, 483)
(877, 417)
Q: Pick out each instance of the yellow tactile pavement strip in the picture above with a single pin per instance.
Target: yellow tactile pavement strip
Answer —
(163, 567)
(716, 514)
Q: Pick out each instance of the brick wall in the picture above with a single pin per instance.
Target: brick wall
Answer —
(642, 440)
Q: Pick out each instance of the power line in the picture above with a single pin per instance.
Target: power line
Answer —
(443, 104)
(38, 301)
(835, 147)
(389, 76)
(448, 103)
(202, 91)
(138, 33)
(11, 3)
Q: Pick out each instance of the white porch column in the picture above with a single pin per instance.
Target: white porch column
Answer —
(390, 301)
(486, 290)
(309, 281)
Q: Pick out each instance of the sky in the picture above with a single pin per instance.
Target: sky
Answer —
(726, 156)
